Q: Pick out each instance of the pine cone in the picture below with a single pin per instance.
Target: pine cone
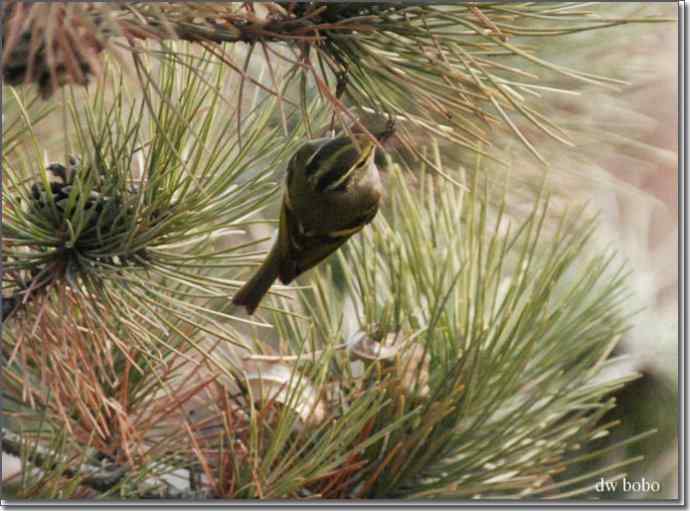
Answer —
(29, 56)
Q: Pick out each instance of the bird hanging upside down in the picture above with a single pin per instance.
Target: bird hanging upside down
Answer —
(333, 190)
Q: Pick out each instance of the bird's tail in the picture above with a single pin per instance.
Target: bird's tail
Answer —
(255, 288)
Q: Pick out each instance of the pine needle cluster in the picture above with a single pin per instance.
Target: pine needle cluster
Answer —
(452, 350)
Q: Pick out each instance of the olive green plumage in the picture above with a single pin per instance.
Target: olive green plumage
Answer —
(332, 191)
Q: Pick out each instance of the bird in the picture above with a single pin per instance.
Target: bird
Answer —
(332, 191)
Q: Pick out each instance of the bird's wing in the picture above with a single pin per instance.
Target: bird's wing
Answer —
(304, 250)
(287, 269)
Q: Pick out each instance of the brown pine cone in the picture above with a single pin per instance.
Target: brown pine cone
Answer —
(49, 43)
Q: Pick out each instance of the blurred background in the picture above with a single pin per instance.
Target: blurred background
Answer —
(646, 232)
(637, 197)
(625, 165)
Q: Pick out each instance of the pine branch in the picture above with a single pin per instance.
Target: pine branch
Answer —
(455, 348)
(448, 59)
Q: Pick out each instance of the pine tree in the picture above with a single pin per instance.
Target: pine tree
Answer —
(455, 348)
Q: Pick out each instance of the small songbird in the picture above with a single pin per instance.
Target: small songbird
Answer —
(333, 190)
